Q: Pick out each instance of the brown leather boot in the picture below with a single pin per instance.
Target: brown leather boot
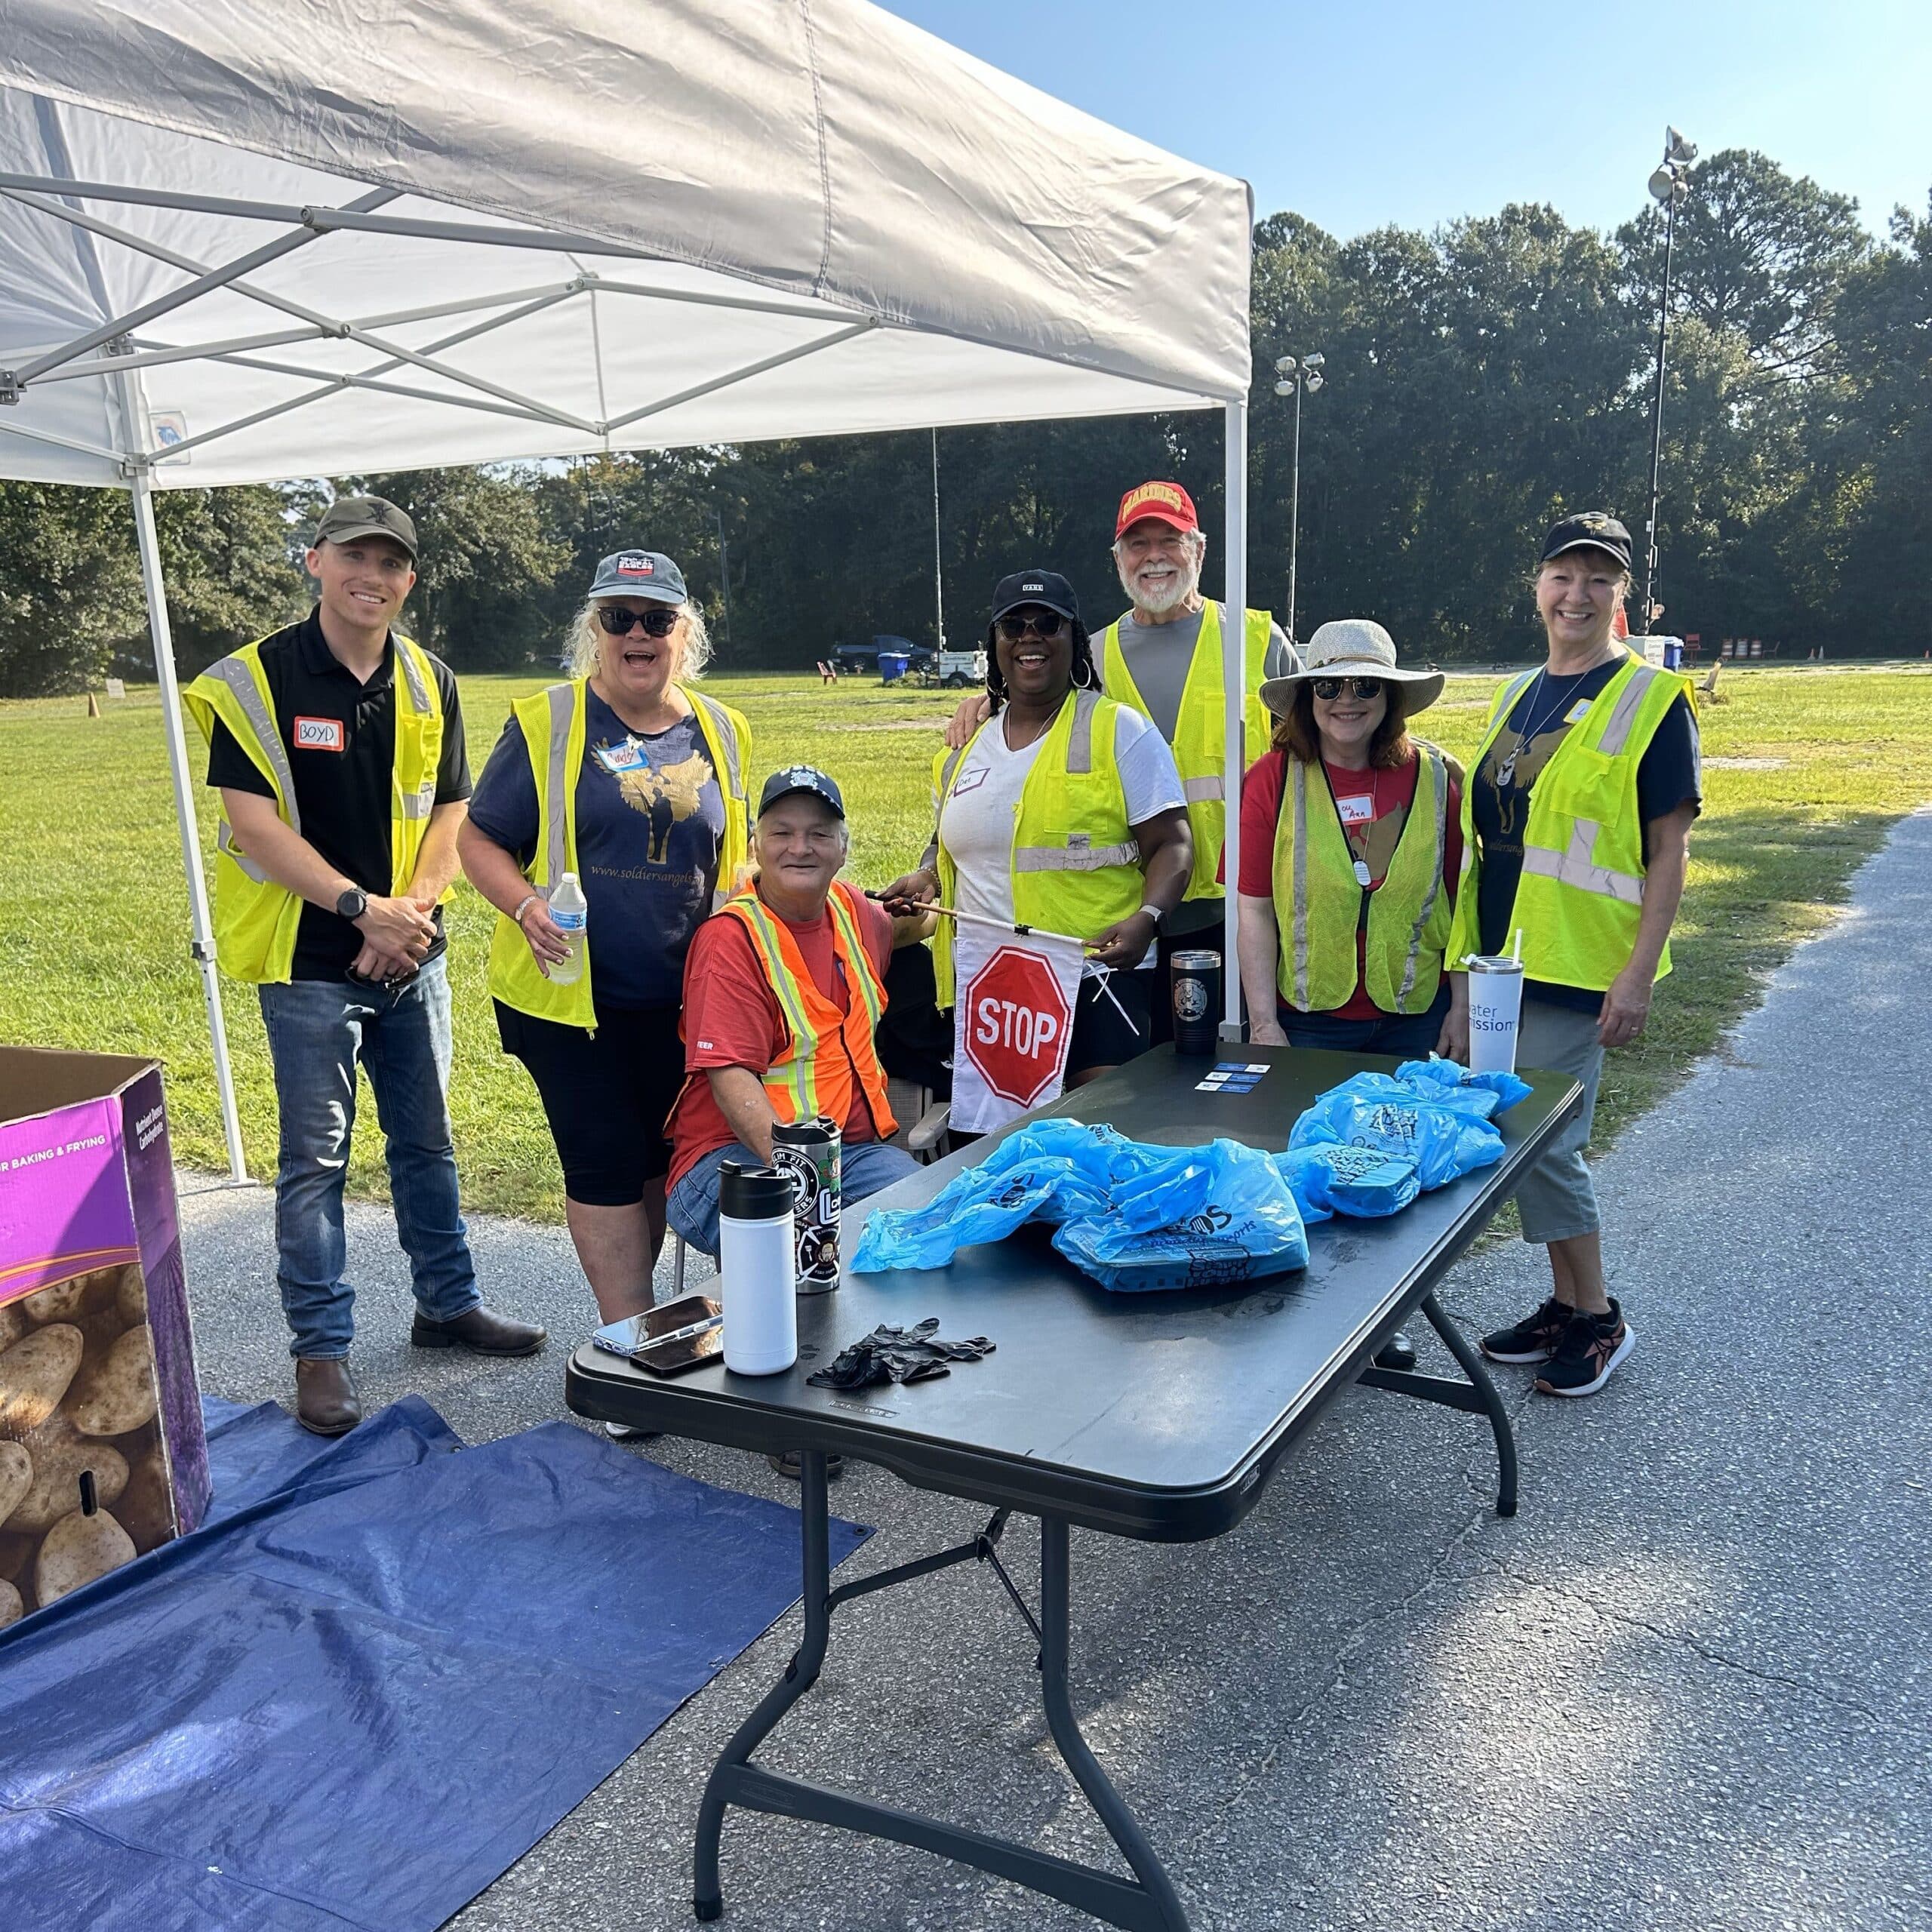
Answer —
(480, 1328)
(327, 1400)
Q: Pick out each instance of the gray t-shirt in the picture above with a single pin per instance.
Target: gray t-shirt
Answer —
(1158, 657)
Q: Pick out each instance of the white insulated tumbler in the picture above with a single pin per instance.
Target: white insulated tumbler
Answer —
(754, 1263)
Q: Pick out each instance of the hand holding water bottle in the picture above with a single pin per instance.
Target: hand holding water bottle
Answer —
(554, 930)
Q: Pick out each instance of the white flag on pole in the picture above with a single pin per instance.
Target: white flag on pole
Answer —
(1012, 1017)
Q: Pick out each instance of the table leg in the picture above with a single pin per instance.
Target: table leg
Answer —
(801, 1674)
(1470, 1362)
(1055, 1568)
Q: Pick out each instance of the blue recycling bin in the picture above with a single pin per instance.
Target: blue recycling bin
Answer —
(892, 665)
(1673, 655)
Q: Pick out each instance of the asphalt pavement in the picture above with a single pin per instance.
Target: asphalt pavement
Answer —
(1687, 1687)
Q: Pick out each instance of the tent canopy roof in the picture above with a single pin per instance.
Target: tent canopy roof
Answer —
(708, 221)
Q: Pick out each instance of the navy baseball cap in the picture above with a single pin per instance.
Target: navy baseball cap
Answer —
(640, 573)
(1596, 530)
(1044, 587)
(800, 778)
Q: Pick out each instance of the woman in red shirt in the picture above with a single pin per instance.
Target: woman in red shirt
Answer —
(1351, 847)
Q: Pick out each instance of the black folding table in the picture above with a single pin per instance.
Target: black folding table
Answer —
(1158, 1416)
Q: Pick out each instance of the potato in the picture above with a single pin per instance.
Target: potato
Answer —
(145, 1508)
(34, 1375)
(16, 1476)
(63, 1301)
(115, 1393)
(59, 1453)
(130, 1296)
(11, 1608)
(78, 1548)
(16, 1555)
(13, 1323)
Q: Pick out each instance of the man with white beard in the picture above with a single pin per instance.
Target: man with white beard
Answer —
(1163, 658)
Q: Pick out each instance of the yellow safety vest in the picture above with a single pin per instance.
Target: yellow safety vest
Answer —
(553, 734)
(1201, 730)
(255, 919)
(1580, 898)
(1318, 901)
(1075, 862)
(811, 1077)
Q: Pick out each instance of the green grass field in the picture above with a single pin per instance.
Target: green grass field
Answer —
(1805, 771)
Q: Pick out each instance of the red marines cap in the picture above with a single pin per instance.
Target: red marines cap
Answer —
(1167, 501)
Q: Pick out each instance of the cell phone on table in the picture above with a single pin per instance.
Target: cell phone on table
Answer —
(668, 1340)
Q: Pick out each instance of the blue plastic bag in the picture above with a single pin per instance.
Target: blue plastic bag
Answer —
(1327, 1179)
(1443, 1143)
(1454, 1085)
(1231, 1217)
(1049, 1170)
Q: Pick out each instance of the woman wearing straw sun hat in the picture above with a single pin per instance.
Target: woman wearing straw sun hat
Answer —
(1350, 846)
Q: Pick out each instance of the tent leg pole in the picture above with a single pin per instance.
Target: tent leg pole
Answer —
(202, 926)
(1234, 679)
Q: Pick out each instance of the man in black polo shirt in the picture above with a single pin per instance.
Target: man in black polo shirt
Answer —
(338, 747)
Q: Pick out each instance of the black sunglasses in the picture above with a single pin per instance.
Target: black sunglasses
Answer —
(1329, 689)
(1045, 625)
(621, 623)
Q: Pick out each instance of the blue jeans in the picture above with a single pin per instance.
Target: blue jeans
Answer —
(1408, 1035)
(865, 1166)
(318, 1030)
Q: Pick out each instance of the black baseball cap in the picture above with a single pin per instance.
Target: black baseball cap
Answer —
(800, 778)
(1597, 530)
(1044, 587)
(348, 518)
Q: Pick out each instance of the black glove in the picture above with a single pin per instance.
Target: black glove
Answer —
(898, 1354)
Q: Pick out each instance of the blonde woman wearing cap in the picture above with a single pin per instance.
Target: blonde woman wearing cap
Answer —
(1576, 831)
(631, 778)
(1350, 850)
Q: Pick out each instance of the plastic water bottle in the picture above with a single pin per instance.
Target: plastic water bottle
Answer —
(571, 912)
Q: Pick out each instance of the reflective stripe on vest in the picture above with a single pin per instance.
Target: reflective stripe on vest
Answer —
(806, 1081)
(233, 672)
(1200, 731)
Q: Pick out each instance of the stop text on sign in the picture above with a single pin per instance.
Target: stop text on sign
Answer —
(1024, 1030)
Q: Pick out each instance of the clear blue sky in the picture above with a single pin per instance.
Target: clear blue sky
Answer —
(1417, 111)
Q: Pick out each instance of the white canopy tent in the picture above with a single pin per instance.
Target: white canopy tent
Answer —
(250, 243)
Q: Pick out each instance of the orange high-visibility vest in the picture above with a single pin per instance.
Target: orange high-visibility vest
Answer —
(828, 1052)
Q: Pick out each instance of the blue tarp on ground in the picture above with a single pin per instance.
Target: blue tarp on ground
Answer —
(385, 1667)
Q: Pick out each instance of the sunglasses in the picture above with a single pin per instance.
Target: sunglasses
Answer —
(1045, 625)
(1329, 689)
(621, 623)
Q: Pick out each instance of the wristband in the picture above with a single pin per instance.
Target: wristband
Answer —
(524, 905)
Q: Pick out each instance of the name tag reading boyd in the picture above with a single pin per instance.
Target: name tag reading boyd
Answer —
(319, 734)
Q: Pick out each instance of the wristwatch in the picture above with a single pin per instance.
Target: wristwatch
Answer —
(353, 903)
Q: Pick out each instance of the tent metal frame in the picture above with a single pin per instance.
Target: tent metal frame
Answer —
(116, 349)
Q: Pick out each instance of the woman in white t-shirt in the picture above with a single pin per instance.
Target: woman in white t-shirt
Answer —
(1065, 812)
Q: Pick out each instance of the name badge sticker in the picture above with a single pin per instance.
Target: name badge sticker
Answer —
(1357, 808)
(319, 734)
(617, 759)
(1577, 712)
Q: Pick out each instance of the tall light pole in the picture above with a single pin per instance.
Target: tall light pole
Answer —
(1293, 377)
(1670, 184)
(724, 569)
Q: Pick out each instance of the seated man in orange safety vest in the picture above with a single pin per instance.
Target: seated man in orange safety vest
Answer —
(783, 986)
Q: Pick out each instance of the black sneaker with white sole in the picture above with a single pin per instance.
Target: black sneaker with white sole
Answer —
(1532, 1339)
(1589, 1350)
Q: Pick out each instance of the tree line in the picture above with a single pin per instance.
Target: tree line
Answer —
(1481, 380)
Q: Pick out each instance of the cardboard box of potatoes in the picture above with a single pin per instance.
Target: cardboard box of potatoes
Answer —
(102, 1455)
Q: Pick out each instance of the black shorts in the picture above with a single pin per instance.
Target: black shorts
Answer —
(607, 1095)
(1101, 1037)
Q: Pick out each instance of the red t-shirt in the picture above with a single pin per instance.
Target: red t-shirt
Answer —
(732, 1019)
(1372, 805)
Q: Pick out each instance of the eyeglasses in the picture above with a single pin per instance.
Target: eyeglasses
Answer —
(621, 623)
(1329, 689)
(1045, 625)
